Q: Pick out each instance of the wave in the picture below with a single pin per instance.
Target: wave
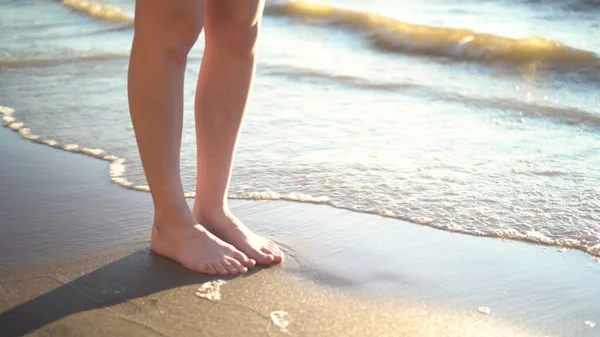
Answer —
(567, 5)
(117, 171)
(390, 35)
(566, 115)
(99, 10)
(48, 61)
(294, 73)
(563, 114)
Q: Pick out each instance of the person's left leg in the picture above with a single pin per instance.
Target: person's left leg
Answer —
(165, 31)
(231, 29)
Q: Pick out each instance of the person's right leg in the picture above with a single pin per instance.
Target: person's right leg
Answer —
(165, 31)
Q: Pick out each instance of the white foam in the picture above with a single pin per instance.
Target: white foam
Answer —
(386, 213)
(6, 111)
(210, 290)
(142, 188)
(595, 250)
(117, 169)
(271, 195)
(31, 137)
(93, 152)
(26, 133)
(51, 143)
(122, 182)
(422, 220)
(15, 125)
(7, 120)
(110, 157)
(541, 238)
(71, 147)
(484, 310)
(278, 318)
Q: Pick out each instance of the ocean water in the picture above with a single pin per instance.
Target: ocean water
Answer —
(474, 116)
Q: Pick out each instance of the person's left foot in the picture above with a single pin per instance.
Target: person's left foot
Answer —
(232, 230)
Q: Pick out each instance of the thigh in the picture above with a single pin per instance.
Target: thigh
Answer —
(166, 18)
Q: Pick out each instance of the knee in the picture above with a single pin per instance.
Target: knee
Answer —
(183, 35)
(173, 35)
(235, 37)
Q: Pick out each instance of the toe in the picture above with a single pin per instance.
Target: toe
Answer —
(238, 265)
(231, 269)
(221, 268)
(276, 251)
(249, 263)
(212, 269)
(206, 268)
(277, 258)
(264, 256)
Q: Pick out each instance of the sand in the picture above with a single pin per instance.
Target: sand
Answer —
(75, 261)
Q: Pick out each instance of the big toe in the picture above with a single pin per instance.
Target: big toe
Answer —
(273, 250)
(261, 256)
(276, 251)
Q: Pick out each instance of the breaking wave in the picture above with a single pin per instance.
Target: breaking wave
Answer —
(391, 35)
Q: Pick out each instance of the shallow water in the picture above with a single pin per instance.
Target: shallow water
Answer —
(459, 115)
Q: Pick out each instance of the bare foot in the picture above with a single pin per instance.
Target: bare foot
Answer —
(196, 248)
(230, 229)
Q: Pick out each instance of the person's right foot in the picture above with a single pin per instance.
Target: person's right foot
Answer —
(196, 248)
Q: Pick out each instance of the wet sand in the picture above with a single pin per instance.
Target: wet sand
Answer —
(75, 261)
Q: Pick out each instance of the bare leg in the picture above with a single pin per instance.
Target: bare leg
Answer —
(165, 31)
(224, 84)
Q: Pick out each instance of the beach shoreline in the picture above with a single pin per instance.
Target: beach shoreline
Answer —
(117, 177)
(66, 228)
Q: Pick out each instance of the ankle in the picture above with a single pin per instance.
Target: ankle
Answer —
(170, 205)
(173, 216)
(208, 208)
